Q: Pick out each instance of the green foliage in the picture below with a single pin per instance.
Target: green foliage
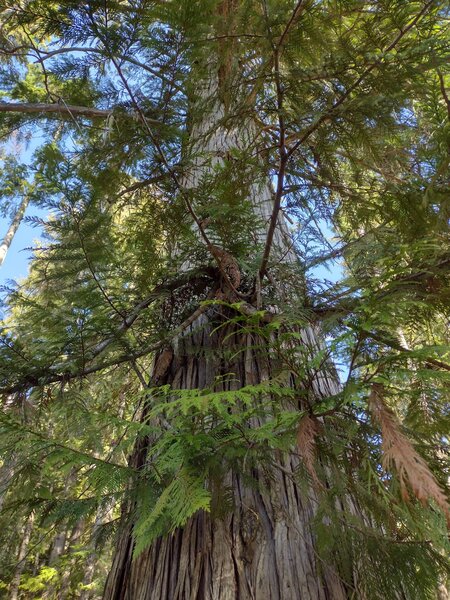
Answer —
(40, 582)
(355, 96)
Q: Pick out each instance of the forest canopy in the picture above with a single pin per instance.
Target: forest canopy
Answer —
(241, 287)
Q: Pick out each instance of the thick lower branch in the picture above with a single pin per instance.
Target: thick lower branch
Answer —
(62, 110)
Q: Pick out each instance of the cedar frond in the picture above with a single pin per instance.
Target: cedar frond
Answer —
(308, 430)
(399, 451)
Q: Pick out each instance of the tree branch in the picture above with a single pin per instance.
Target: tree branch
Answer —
(444, 93)
(429, 361)
(64, 110)
(48, 375)
(281, 171)
(134, 314)
(61, 109)
(145, 121)
(329, 113)
(128, 59)
(292, 21)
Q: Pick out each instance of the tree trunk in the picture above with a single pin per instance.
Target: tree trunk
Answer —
(74, 541)
(103, 514)
(26, 535)
(7, 240)
(264, 548)
(6, 474)
(58, 546)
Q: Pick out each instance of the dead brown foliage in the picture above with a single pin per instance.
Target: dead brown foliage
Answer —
(307, 432)
(413, 472)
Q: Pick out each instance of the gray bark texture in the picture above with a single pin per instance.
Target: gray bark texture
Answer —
(263, 549)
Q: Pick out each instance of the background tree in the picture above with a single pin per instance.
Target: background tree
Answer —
(176, 351)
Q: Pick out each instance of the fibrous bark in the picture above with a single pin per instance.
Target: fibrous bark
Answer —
(264, 547)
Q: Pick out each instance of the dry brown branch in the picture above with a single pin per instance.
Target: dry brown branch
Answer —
(62, 110)
(413, 472)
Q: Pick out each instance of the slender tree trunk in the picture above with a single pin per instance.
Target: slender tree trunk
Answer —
(58, 546)
(59, 541)
(24, 543)
(6, 474)
(18, 216)
(103, 513)
(74, 539)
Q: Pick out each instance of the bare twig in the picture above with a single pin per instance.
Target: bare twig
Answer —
(299, 8)
(444, 92)
(281, 170)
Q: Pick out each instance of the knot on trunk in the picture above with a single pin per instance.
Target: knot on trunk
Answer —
(162, 364)
(229, 270)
